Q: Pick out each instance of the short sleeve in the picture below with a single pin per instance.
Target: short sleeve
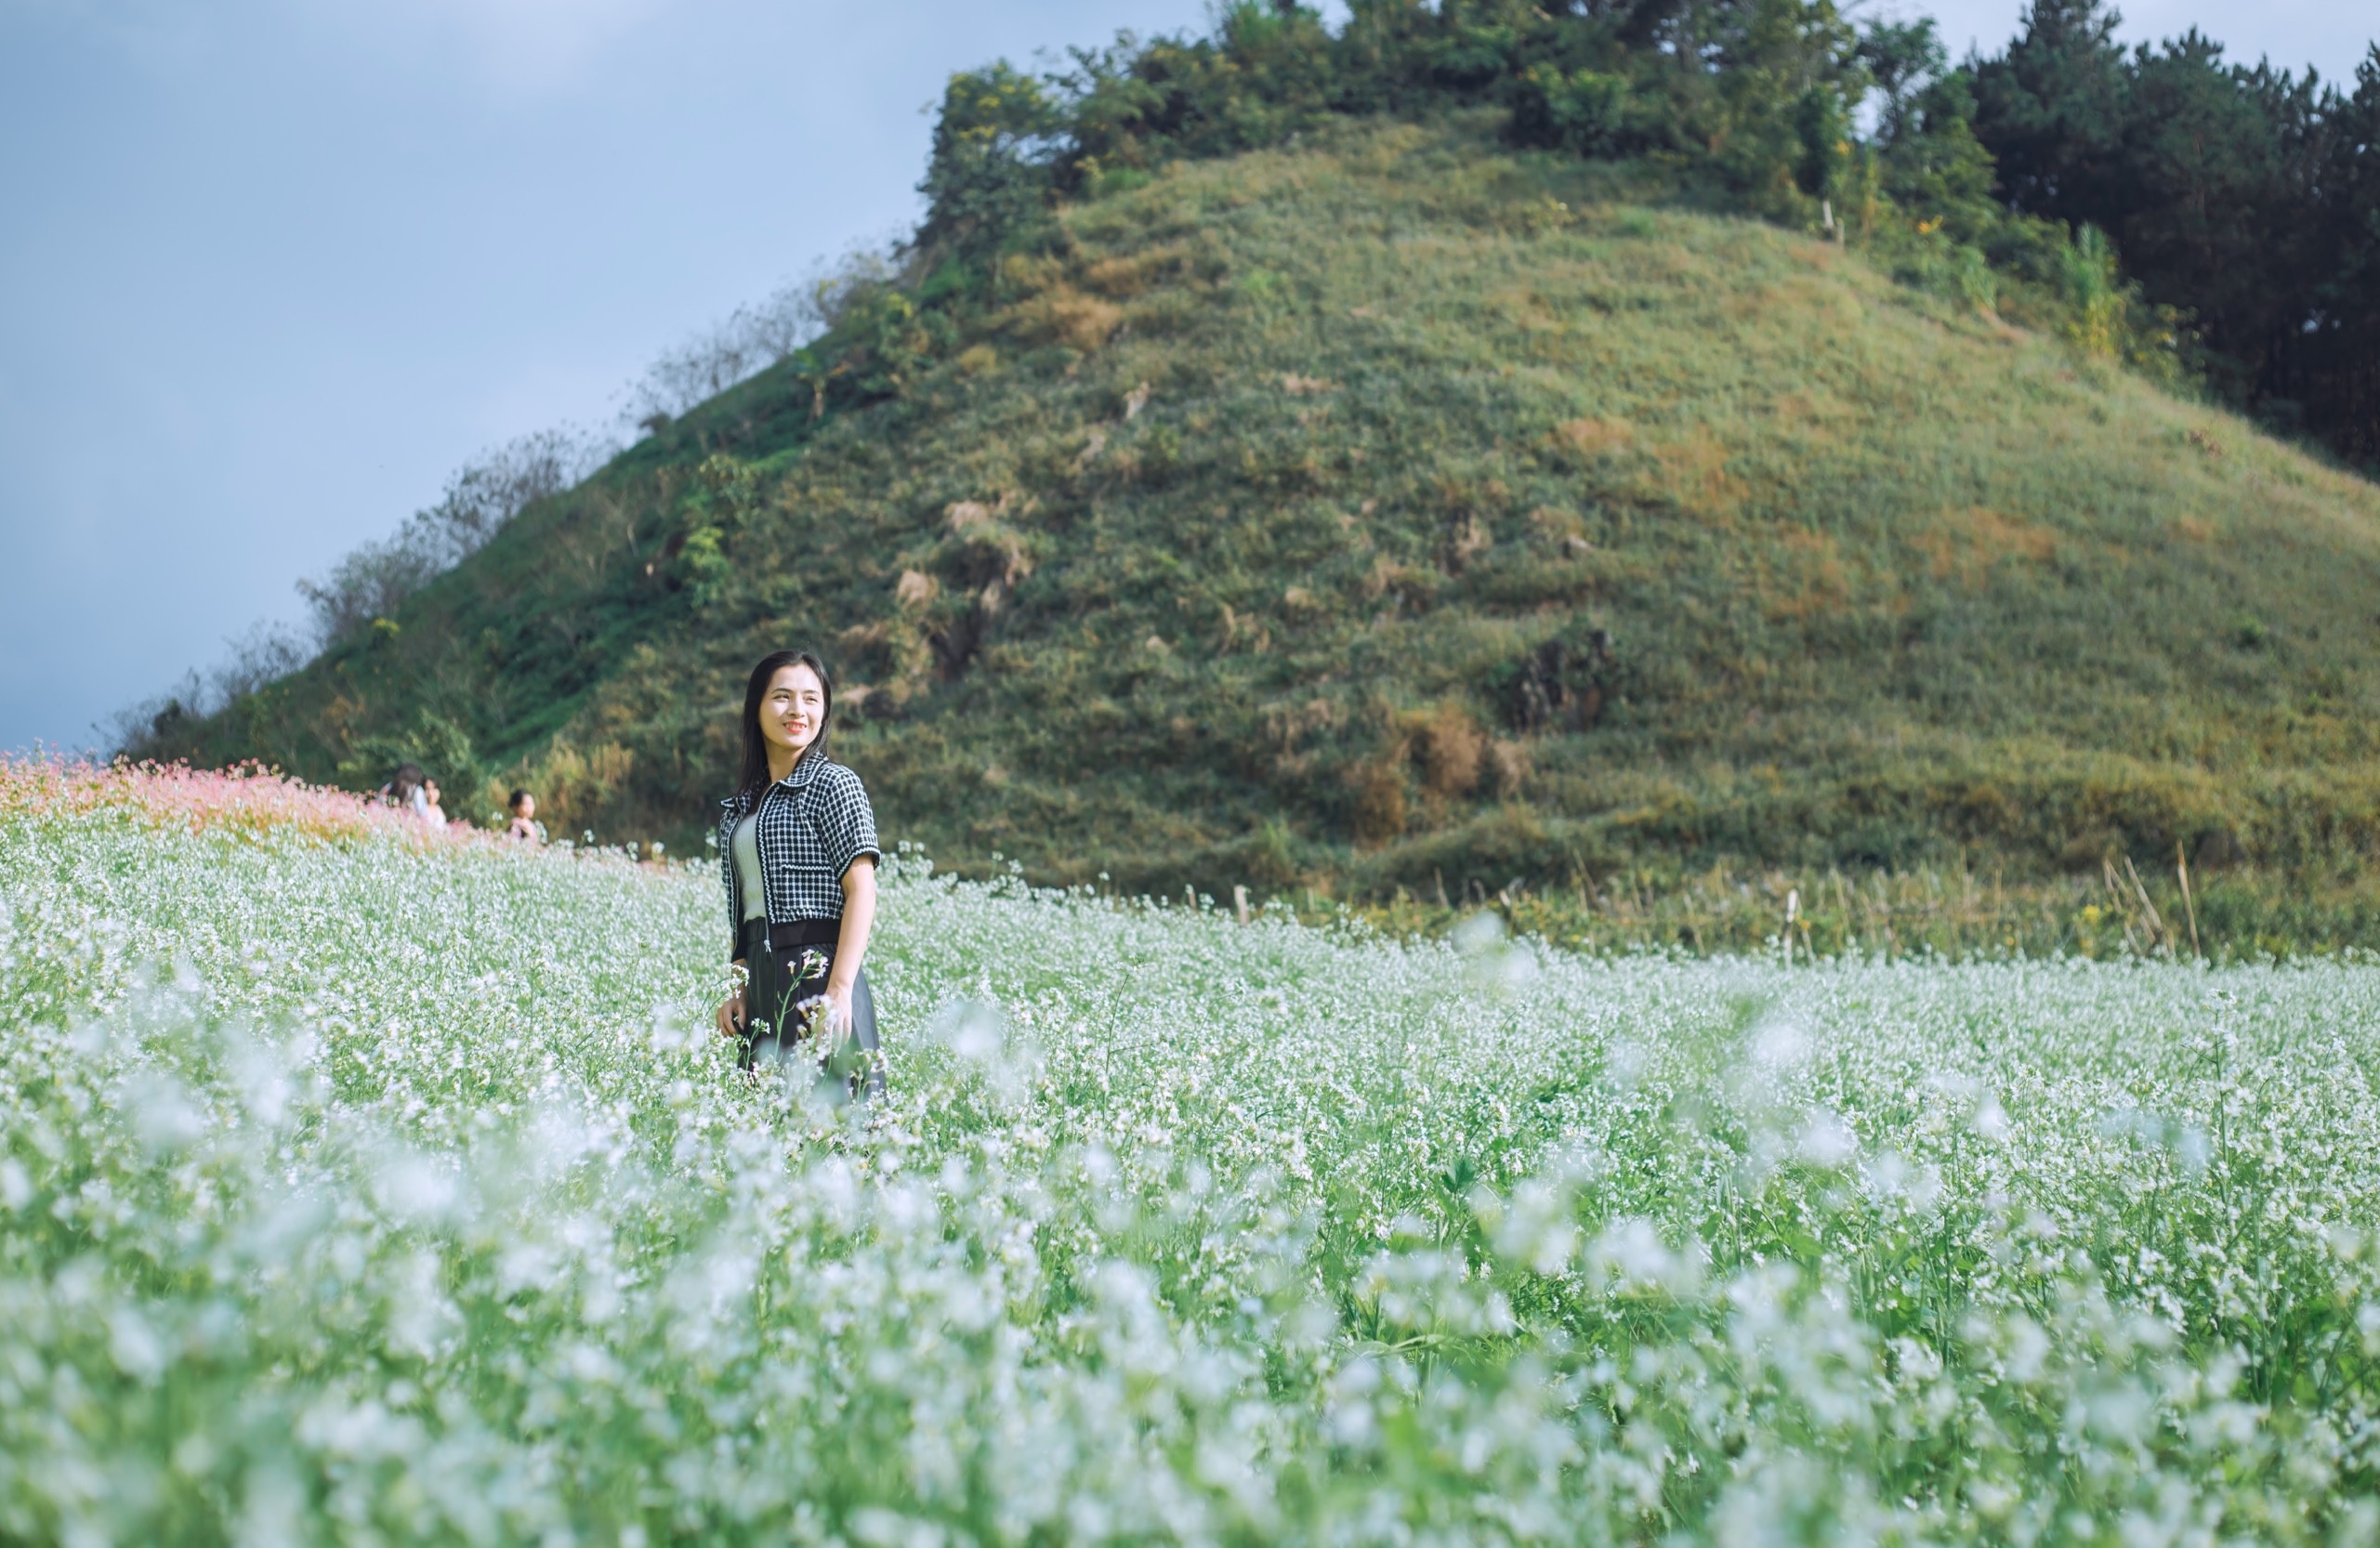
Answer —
(724, 843)
(846, 824)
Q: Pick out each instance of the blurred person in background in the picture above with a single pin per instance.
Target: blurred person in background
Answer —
(431, 811)
(406, 791)
(525, 826)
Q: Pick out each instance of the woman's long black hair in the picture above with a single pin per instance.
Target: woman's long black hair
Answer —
(754, 775)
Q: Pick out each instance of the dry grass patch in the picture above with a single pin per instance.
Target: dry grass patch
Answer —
(1970, 544)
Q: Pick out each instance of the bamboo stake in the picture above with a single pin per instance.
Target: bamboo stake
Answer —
(2156, 921)
(2181, 864)
(2123, 904)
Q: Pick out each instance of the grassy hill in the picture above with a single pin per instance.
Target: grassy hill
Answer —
(1394, 508)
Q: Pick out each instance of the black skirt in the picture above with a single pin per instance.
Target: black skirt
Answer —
(788, 968)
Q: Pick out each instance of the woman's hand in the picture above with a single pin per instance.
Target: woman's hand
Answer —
(731, 1011)
(834, 1013)
(850, 948)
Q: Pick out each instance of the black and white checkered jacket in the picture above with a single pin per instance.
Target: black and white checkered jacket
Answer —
(813, 823)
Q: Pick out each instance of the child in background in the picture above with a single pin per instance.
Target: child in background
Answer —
(431, 812)
(525, 826)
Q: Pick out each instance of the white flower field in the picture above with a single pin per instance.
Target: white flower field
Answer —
(357, 1190)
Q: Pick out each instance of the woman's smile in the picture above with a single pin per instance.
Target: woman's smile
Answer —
(793, 713)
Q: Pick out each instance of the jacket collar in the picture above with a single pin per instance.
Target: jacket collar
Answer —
(804, 772)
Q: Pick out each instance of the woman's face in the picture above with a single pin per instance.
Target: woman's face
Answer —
(794, 709)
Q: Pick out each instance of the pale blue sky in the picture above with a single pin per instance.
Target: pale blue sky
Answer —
(270, 270)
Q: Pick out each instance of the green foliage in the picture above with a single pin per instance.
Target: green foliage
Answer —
(1267, 74)
(441, 747)
(1934, 169)
(1585, 111)
(1757, 94)
(989, 170)
(2239, 198)
(1823, 126)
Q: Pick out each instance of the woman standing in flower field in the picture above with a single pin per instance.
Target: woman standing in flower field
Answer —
(797, 857)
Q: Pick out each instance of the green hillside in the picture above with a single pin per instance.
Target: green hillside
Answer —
(1398, 507)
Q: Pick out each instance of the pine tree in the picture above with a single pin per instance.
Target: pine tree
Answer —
(2051, 109)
